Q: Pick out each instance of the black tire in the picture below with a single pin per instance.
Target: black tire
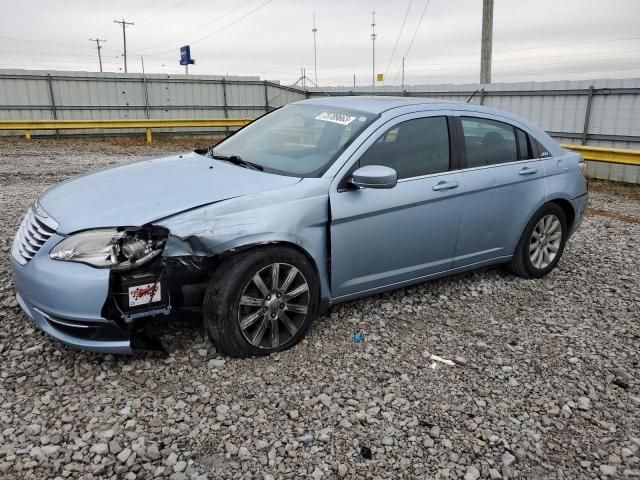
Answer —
(521, 263)
(222, 310)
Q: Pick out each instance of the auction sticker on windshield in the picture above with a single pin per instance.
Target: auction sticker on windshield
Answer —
(336, 117)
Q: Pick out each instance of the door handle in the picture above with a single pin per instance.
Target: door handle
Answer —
(528, 171)
(444, 186)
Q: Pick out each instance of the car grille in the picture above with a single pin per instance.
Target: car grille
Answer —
(36, 228)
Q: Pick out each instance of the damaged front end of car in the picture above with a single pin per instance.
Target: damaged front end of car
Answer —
(142, 283)
(167, 264)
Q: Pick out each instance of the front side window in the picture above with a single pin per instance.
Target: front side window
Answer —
(300, 140)
(412, 148)
(488, 142)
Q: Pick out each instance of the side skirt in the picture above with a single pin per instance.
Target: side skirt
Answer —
(415, 281)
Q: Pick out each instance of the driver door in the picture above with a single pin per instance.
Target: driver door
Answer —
(382, 238)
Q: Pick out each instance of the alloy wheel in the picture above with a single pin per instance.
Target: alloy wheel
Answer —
(545, 242)
(273, 305)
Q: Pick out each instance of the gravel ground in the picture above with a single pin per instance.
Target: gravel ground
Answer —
(546, 381)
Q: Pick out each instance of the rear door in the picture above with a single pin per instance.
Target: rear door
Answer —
(503, 186)
(383, 238)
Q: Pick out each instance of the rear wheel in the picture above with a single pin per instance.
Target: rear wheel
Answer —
(261, 301)
(541, 244)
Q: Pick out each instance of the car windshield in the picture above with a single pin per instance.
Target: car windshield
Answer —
(301, 140)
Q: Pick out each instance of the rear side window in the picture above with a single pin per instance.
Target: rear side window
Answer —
(524, 147)
(543, 152)
(488, 142)
(412, 148)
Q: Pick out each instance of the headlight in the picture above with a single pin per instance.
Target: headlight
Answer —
(110, 248)
(583, 166)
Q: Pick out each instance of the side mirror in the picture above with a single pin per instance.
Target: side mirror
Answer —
(374, 176)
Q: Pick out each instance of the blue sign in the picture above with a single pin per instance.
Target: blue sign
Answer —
(185, 56)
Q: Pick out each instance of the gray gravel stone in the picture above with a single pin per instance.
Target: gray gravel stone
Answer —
(472, 473)
(243, 453)
(324, 399)
(608, 470)
(261, 445)
(494, 474)
(124, 455)
(584, 403)
(100, 448)
(152, 452)
(544, 369)
(508, 459)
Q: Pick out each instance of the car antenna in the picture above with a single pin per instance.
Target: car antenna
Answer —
(472, 95)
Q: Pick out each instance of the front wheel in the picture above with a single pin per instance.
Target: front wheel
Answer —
(541, 244)
(261, 301)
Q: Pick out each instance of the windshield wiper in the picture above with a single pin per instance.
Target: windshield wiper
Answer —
(236, 160)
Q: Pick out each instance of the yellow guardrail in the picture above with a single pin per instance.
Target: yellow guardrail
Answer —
(600, 154)
(28, 125)
(605, 154)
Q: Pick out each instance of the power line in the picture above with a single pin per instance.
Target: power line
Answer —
(200, 27)
(250, 12)
(526, 59)
(406, 55)
(505, 65)
(404, 20)
(373, 42)
(31, 40)
(124, 39)
(179, 4)
(143, 8)
(220, 30)
(48, 54)
(99, 47)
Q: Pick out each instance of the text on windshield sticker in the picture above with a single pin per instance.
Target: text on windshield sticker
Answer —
(335, 117)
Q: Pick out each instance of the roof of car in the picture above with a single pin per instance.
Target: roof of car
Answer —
(382, 103)
(378, 104)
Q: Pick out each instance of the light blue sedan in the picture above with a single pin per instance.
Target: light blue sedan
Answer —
(316, 203)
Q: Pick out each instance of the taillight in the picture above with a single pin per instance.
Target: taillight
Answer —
(583, 166)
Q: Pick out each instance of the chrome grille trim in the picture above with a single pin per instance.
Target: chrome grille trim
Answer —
(35, 229)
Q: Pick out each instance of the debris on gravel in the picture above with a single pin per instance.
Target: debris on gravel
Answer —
(545, 381)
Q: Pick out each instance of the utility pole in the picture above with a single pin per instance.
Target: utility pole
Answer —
(402, 74)
(124, 39)
(315, 51)
(97, 40)
(487, 40)
(373, 42)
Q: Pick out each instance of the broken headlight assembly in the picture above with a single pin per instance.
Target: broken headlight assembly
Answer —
(117, 249)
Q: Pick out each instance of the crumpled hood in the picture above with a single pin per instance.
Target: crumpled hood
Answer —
(139, 193)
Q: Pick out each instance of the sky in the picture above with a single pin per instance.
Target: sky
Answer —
(273, 39)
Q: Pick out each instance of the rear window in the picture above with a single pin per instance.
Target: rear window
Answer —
(488, 142)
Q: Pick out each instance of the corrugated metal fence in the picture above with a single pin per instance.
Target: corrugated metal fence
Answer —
(600, 112)
(27, 95)
(604, 113)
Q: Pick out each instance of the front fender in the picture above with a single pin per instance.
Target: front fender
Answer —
(296, 216)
